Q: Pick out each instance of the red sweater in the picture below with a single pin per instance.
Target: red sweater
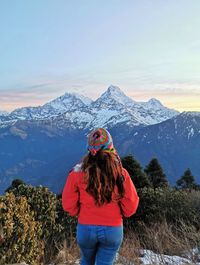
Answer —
(76, 201)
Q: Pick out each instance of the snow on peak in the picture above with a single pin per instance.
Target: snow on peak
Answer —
(114, 89)
(154, 102)
(85, 100)
(68, 102)
(114, 93)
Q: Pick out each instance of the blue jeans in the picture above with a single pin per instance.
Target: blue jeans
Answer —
(99, 244)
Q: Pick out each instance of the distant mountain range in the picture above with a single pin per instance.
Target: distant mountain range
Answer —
(40, 144)
(111, 108)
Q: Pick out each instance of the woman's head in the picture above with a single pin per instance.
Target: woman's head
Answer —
(100, 139)
(102, 166)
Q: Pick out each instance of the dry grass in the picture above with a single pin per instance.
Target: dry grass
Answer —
(67, 254)
(130, 250)
(167, 239)
(161, 238)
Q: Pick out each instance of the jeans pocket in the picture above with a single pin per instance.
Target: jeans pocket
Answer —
(83, 234)
(114, 235)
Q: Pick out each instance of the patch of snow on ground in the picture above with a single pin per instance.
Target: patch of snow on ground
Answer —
(151, 258)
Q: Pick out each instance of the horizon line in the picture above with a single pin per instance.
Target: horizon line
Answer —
(37, 95)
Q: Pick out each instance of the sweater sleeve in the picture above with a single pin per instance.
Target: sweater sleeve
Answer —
(129, 203)
(70, 195)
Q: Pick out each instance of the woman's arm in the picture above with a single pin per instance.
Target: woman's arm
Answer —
(129, 203)
(70, 195)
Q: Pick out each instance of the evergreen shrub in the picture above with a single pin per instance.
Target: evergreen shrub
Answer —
(20, 232)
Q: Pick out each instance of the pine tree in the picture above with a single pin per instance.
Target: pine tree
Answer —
(14, 185)
(136, 172)
(156, 175)
(187, 181)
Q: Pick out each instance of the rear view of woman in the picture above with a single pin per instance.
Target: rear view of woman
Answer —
(99, 191)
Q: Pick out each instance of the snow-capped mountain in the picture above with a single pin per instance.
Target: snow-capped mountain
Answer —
(157, 111)
(64, 103)
(129, 111)
(113, 96)
(111, 108)
(114, 107)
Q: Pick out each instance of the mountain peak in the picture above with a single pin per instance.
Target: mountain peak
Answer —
(113, 88)
(114, 94)
(68, 100)
(85, 100)
(154, 102)
(114, 91)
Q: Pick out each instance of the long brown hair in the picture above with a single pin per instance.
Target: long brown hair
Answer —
(102, 172)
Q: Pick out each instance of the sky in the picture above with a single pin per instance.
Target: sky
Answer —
(149, 48)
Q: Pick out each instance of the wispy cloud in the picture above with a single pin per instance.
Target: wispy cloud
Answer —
(180, 98)
(38, 93)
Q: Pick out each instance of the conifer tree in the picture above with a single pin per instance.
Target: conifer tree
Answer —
(136, 172)
(14, 185)
(187, 181)
(156, 175)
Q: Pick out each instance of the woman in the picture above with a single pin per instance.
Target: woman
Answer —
(99, 191)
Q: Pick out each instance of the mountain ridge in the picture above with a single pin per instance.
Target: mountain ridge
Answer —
(112, 106)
